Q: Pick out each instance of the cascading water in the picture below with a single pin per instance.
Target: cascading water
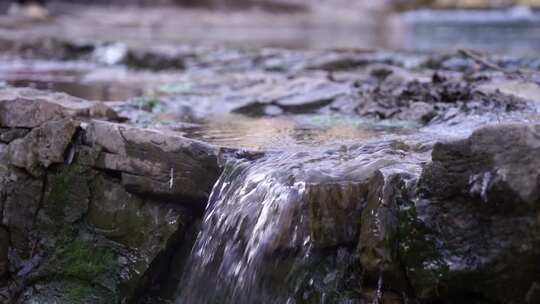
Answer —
(283, 228)
(249, 211)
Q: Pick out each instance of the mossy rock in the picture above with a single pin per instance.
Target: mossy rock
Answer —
(67, 197)
(85, 261)
(66, 291)
(420, 254)
(329, 276)
(78, 271)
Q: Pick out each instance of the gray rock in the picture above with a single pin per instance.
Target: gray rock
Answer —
(43, 146)
(127, 219)
(501, 157)
(7, 135)
(27, 113)
(29, 108)
(22, 199)
(3, 157)
(297, 95)
(66, 197)
(145, 228)
(154, 60)
(4, 248)
(481, 205)
(155, 163)
(310, 94)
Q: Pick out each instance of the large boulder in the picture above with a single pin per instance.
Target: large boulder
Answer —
(96, 238)
(481, 208)
(92, 211)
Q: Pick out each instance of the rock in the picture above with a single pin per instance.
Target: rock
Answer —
(310, 95)
(429, 101)
(494, 159)
(90, 235)
(533, 295)
(3, 158)
(336, 208)
(334, 212)
(73, 227)
(422, 112)
(4, 248)
(7, 135)
(66, 197)
(21, 202)
(43, 146)
(145, 228)
(380, 226)
(480, 209)
(128, 220)
(381, 233)
(154, 163)
(46, 47)
(154, 60)
(29, 108)
(336, 62)
(297, 95)
(26, 113)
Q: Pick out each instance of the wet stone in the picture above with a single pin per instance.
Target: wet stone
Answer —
(7, 135)
(371, 182)
(470, 201)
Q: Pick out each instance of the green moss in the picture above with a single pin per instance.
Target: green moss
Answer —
(325, 276)
(78, 294)
(85, 261)
(62, 183)
(146, 103)
(419, 252)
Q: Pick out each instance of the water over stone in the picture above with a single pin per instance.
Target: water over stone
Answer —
(359, 177)
(270, 222)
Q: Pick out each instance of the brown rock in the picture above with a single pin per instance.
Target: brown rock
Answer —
(335, 211)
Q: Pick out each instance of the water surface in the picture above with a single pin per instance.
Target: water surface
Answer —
(290, 131)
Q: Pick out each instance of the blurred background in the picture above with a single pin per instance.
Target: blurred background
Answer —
(496, 26)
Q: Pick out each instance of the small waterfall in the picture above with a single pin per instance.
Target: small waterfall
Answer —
(258, 241)
(250, 230)
(379, 293)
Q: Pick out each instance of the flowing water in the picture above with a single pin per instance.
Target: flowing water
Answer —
(282, 228)
(287, 132)
(259, 241)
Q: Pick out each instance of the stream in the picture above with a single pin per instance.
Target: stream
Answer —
(283, 172)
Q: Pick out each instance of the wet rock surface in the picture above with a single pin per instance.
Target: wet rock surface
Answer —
(380, 178)
(88, 205)
(490, 188)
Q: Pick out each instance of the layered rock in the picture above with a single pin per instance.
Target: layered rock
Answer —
(480, 200)
(463, 228)
(98, 211)
(89, 205)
